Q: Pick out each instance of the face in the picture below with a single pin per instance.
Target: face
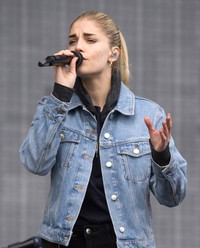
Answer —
(87, 37)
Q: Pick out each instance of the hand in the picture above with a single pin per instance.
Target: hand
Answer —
(160, 138)
(66, 75)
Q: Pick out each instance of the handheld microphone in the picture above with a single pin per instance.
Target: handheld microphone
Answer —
(61, 60)
(34, 242)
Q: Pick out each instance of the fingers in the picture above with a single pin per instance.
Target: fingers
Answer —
(66, 75)
(64, 52)
(169, 121)
(167, 126)
(148, 123)
(161, 137)
(72, 66)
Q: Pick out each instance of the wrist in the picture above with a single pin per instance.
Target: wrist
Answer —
(63, 93)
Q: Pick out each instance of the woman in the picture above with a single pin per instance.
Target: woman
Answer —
(106, 148)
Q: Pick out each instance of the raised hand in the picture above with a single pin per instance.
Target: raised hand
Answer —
(160, 138)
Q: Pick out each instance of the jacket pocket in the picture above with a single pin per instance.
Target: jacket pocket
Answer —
(136, 160)
(68, 147)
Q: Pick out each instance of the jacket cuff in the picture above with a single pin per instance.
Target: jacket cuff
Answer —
(62, 92)
(161, 158)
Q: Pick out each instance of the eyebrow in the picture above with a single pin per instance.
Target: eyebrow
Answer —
(85, 34)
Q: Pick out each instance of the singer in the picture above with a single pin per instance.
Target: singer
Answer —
(105, 148)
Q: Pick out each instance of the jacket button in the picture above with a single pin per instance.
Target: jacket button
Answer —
(107, 135)
(122, 229)
(108, 164)
(62, 136)
(88, 231)
(136, 151)
(114, 197)
(60, 111)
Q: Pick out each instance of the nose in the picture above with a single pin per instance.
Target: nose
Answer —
(79, 46)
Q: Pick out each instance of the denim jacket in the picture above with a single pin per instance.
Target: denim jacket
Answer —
(63, 139)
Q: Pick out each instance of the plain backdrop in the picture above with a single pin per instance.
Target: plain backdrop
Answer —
(163, 38)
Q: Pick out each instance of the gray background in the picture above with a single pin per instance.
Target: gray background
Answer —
(163, 37)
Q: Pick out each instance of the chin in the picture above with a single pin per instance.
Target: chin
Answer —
(81, 72)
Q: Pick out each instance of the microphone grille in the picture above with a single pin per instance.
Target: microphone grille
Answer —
(80, 57)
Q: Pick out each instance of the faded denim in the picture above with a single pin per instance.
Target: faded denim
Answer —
(63, 139)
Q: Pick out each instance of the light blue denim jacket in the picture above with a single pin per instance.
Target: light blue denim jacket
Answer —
(63, 139)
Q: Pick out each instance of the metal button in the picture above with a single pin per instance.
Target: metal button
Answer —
(88, 231)
(62, 136)
(60, 111)
(114, 197)
(69, 218)
(108, 164)
(107, 135)
(136, 150)
(122, 229)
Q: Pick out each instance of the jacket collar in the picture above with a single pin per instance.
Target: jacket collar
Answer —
(126, 101)
(120, 98)
(112, 97)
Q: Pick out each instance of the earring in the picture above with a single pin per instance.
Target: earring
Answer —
(110, 64)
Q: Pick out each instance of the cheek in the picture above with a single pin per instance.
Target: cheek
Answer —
(100, 59)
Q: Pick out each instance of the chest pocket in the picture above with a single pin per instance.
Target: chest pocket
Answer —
(68, 147)
(136, 160)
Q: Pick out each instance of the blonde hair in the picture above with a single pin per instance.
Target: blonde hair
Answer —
(115, 37)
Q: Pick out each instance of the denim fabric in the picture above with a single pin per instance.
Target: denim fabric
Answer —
(63, 139)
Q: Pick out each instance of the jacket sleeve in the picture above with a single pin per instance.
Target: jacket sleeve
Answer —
(168, 183)
(38, 150)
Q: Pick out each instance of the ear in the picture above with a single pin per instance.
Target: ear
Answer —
(115, 51)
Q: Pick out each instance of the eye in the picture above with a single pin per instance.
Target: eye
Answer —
(72, 42)
(91, 41)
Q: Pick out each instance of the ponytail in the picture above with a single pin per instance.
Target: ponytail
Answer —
(122, 63)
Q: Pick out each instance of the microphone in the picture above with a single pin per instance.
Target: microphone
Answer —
(61, 60)
(34, 242)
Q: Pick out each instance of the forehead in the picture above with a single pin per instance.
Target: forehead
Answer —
(86, 26)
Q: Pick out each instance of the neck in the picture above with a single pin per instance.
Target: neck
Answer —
(98, 89)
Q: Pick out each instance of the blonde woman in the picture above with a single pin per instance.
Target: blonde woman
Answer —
(106, 148)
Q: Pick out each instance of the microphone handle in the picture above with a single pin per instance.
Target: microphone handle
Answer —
(55, 60)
